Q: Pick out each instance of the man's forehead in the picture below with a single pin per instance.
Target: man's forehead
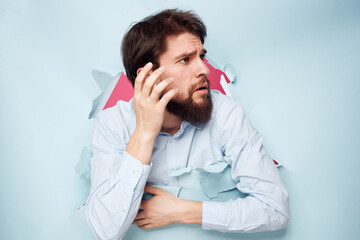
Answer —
(184, 42)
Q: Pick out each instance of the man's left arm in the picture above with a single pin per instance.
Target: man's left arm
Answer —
(266, 207)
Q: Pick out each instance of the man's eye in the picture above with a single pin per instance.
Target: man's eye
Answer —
(184, 60)
(202, 56)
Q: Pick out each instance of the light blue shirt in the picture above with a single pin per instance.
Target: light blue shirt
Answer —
(118, 179)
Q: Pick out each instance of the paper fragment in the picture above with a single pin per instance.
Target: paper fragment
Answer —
(216, 182)
(189, 179)
(230, 72)
(95, 104)
(123, 90)
(215, 76)
(82, 168)
(214, 167)
(102, 79)
(191, 188)
(225, 85)
(100, 101)
(180, 171)
(209, 183)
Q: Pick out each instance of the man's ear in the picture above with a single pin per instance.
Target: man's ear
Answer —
(139, 69)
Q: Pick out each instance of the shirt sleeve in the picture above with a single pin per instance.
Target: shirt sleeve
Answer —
(266, 207)
(117, 184)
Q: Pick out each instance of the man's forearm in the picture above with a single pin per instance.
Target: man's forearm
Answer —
(192, 212)
(140, 146)
(149, 109)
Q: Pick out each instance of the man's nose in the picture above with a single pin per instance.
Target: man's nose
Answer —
(202, 69)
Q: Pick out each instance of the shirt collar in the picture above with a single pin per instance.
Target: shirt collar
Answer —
(195, 125)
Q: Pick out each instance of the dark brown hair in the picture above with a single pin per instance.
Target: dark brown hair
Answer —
(146, 40)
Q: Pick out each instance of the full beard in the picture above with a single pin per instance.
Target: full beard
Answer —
(191, 111)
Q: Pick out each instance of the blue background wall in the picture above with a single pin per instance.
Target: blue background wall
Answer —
(298, 78)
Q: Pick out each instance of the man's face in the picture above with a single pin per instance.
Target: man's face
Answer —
(183, 60)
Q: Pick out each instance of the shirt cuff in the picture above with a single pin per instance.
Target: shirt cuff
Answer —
(214, 216)
(132, 172)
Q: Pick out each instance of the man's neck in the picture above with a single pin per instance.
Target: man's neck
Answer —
(171, 123)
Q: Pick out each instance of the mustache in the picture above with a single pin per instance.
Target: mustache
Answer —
(200, 84)
(194, 87)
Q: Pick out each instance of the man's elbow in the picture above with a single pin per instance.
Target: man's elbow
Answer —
(100, 222)
(282, 222)
(97, 226)
(284, 216)
(103, 224)
(281, 217)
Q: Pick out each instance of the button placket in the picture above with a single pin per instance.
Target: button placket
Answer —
(171, 158)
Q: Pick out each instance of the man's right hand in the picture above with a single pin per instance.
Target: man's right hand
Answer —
(148, 106)
(149, 109)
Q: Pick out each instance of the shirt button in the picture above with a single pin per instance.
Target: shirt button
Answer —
(123, 208)
(136, 174)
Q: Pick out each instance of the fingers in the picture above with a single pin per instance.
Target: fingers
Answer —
(143, 225)
(152, 190)
(146, 226)
(142, 206)
(147, 87)
(141, 221)
(167, 97)
(140, 215)
(139, 81)
(160, 87)
(150, 81)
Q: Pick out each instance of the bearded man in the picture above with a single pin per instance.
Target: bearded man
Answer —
(175, 121)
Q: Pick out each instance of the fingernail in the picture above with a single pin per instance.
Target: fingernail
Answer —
(162, 68)
(148, 64)
(171, 79)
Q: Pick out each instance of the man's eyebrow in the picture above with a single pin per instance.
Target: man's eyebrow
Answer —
(189, 54)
